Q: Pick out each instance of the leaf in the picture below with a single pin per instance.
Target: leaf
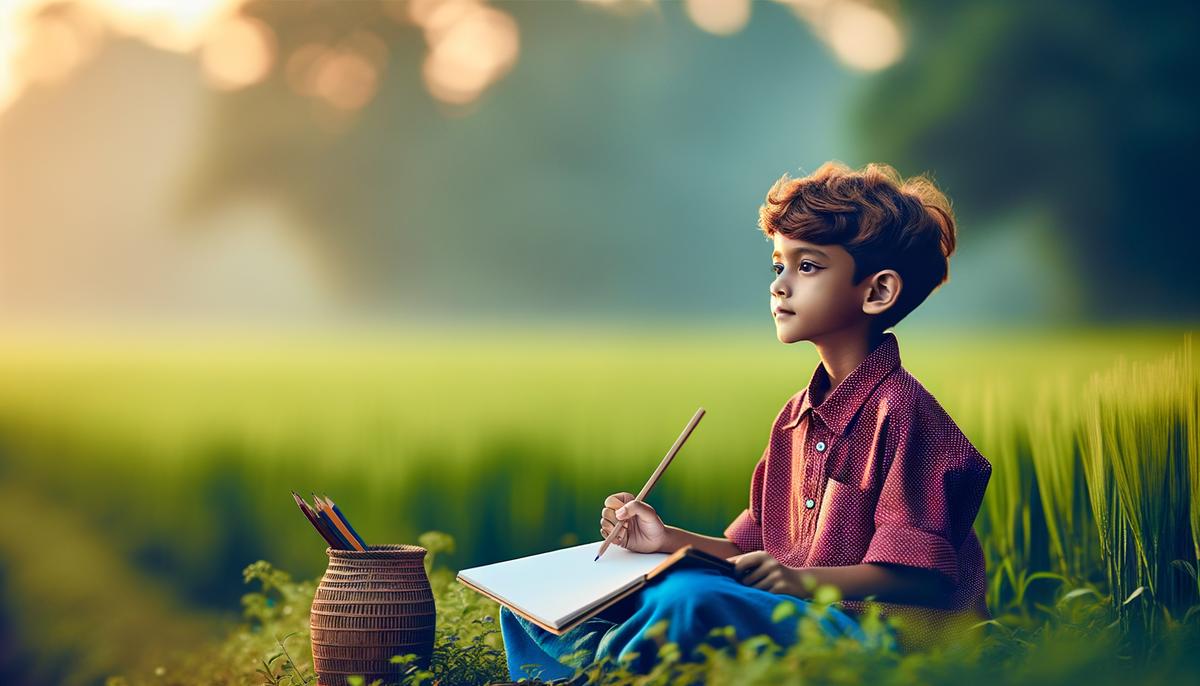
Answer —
(1187, 616)
(1045, 575)
(436, 542)
(669, 652)
(1186, 566)
(1137, 592)
(782, 611)
(657, 629)
(992, 622)
(827, 594)
(1076, 593)
(403, 659)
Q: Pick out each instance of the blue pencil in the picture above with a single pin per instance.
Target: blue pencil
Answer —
(344, 542)
(345, 521)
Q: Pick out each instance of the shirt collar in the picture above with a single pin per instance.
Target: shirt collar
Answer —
(840, 406)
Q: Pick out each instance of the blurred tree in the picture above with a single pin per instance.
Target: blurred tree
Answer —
(1085, 110)
(622, 156)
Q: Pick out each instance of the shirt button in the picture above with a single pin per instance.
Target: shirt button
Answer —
(810, 503)
(821, 446)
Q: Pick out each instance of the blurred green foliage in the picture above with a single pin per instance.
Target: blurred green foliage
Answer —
(1083, 113)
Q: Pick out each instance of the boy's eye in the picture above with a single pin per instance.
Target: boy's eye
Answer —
(778, 268)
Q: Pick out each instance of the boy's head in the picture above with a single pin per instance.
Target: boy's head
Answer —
(854, 249)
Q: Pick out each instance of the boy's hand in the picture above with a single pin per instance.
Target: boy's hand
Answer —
(644, 532)
(759, 569)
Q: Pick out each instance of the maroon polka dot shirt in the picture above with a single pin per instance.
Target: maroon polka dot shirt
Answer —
(878, 472)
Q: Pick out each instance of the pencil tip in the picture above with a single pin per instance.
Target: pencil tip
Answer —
(597, 558)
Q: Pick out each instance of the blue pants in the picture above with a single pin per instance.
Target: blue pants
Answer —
(694, 601)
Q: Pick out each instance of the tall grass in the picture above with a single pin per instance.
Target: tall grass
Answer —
(178, 459)
(1140, 466)
(1006, 512)
(1057, 467)
(1191, 414)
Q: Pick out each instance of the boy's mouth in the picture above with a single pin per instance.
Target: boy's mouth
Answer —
(780, 312)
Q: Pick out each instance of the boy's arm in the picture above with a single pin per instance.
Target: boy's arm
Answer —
(678, 538)
(887, 582)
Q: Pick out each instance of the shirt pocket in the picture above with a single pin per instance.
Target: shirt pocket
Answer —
(851, 466)
(848, 502)
(851, 487)
(848, 515)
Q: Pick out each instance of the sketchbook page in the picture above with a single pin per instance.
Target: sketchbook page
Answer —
(556, 586)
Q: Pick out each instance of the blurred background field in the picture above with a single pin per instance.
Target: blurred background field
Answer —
(470, 266)
(164, 464)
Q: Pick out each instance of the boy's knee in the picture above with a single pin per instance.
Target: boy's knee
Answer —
(695, 602)
(686, 582)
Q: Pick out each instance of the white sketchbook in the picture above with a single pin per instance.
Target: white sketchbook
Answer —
(559, 589)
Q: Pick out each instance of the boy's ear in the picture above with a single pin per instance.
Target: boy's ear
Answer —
(883, 289)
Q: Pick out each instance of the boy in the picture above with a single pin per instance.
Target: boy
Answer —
(866, 483)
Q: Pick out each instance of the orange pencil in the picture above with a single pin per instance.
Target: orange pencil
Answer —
(337, 522)
(345, 522)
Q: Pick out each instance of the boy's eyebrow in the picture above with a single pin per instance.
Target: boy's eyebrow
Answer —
(797, 251)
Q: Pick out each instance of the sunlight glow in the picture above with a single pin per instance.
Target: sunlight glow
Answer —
(56, 44)
(861, 36)
(174, 25)
(345, 79)
(471, 45)
(720, 17)
(238, 53)
(345, 76)
(42, 41)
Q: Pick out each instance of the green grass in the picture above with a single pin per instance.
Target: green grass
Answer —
(1071, 640)
(1137, 421)
(175, 455)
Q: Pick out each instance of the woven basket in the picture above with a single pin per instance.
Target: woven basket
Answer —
(370, 606)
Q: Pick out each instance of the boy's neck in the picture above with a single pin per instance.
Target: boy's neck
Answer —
(841, 352)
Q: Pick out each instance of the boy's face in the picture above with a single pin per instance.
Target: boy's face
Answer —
(813, 286)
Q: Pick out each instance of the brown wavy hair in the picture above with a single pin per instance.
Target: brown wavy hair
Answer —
(883, 220)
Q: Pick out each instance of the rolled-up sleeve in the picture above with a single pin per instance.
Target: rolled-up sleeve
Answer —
(746, 529)
(928, 501)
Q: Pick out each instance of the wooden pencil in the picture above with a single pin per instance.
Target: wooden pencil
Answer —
(315, 521)
(662, 467)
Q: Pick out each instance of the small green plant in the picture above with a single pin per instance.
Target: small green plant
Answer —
(1075, 638)
(291, 674)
